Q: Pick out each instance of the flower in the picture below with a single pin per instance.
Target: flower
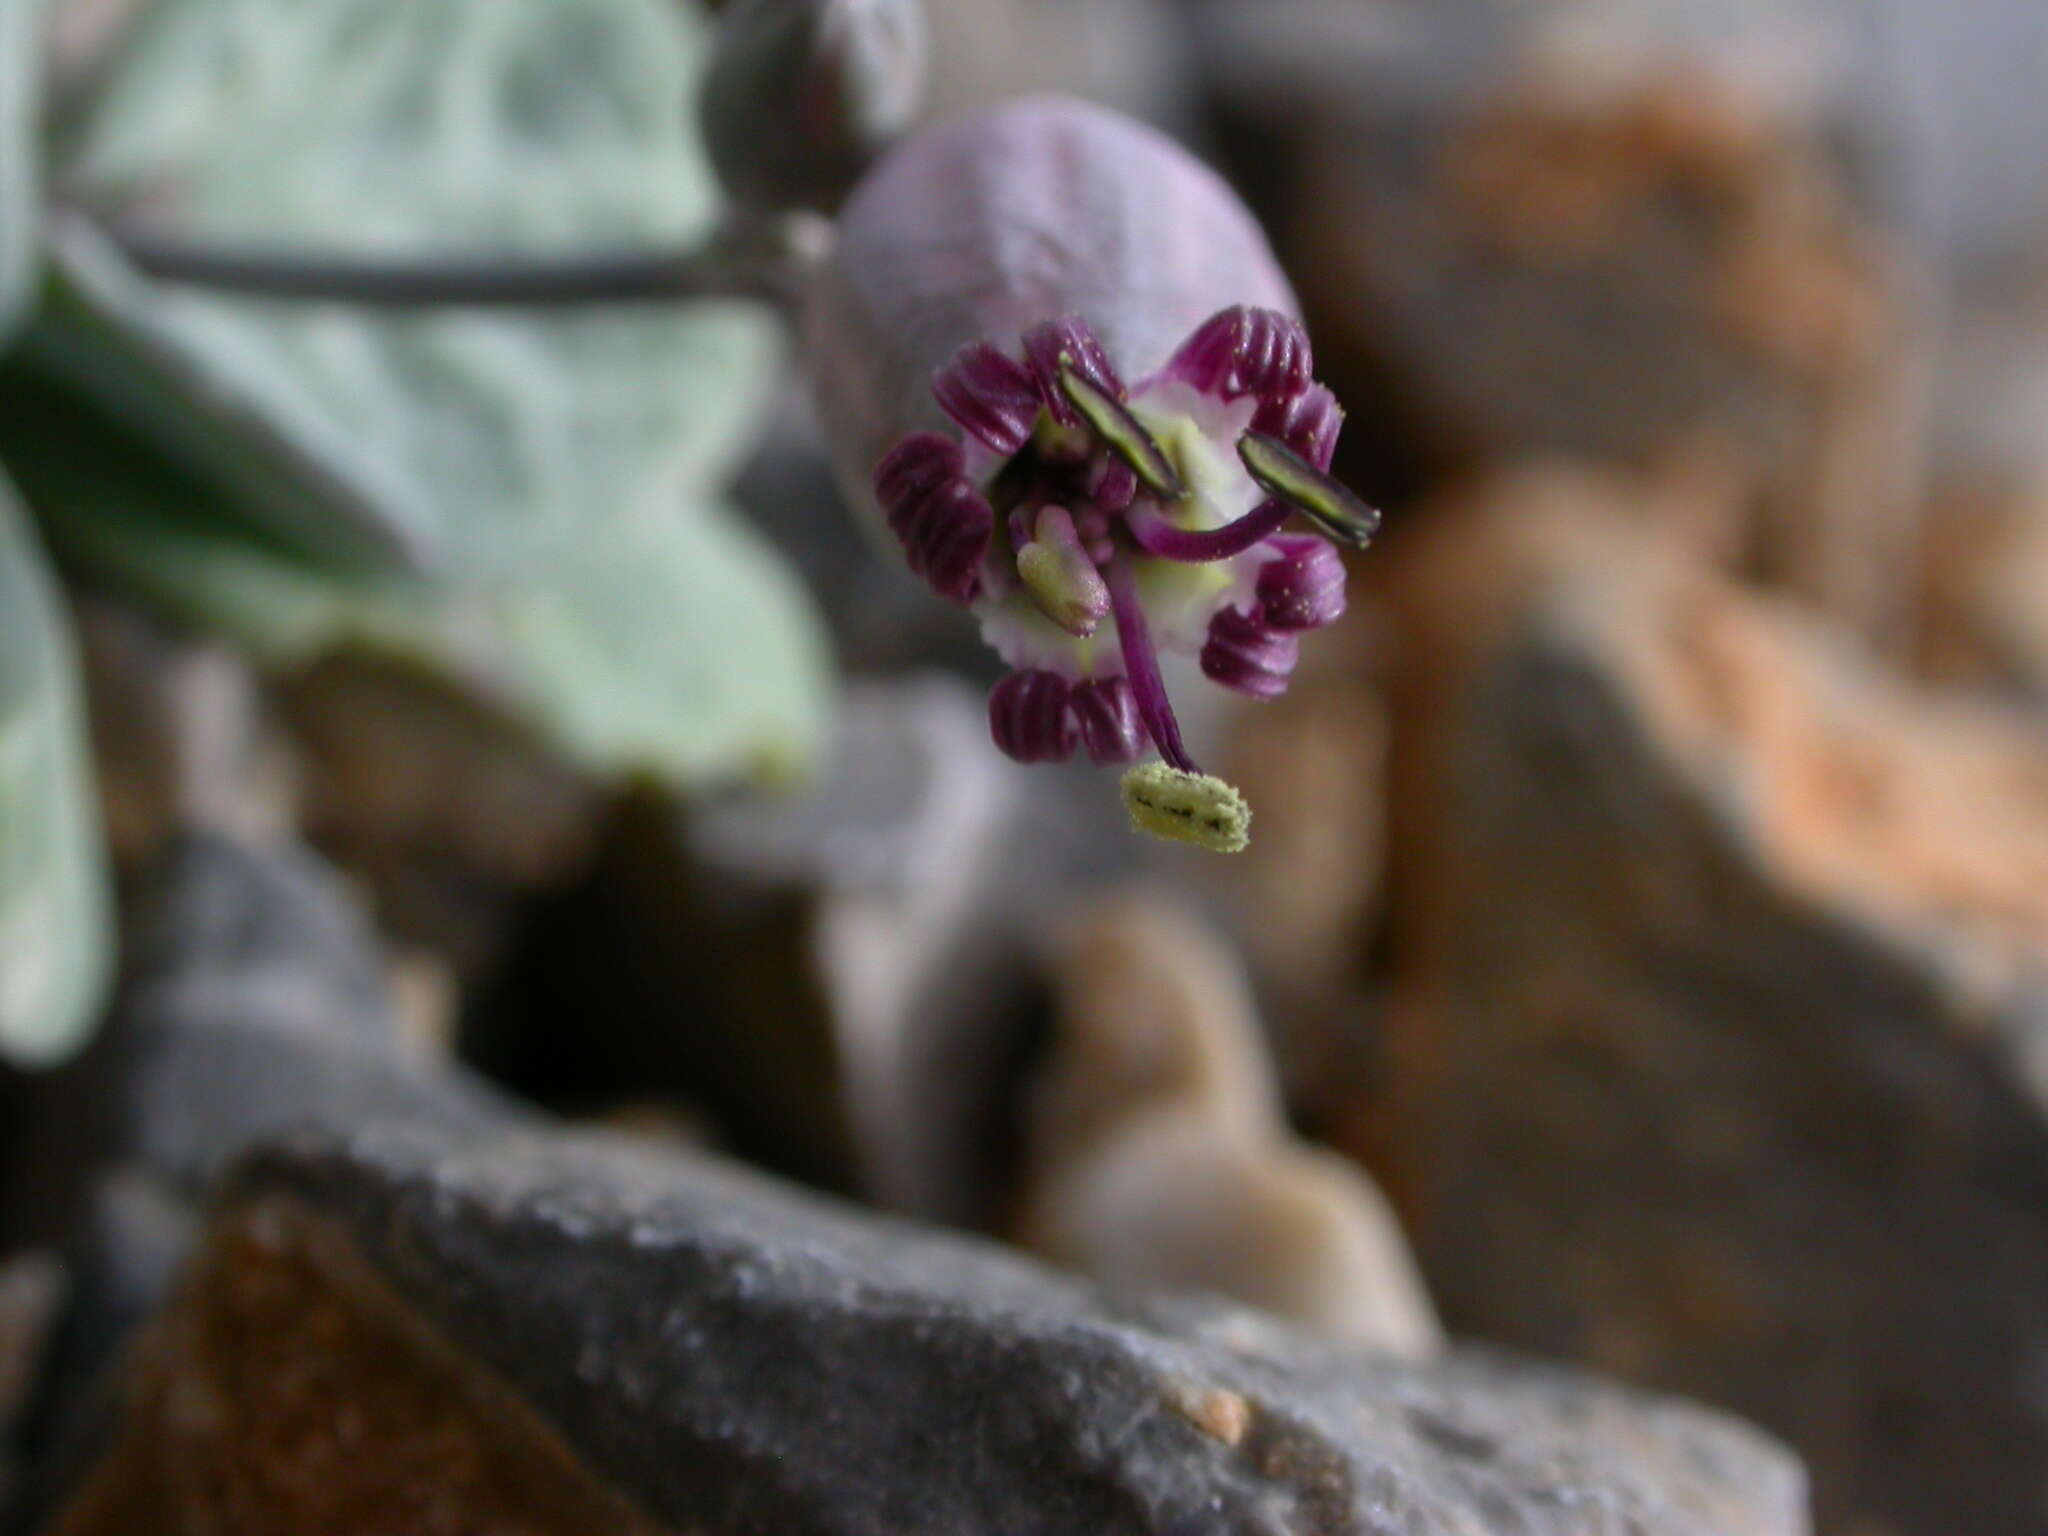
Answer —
(1094, 487)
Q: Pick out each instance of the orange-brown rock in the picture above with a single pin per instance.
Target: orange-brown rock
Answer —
(1623, 231)
(286, 1392)
(1721, 1051)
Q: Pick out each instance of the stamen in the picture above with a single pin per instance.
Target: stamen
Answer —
(1157, 534)
(992, 396)
(1123, 434)
(1141, 665)
(1245, 351)
(1326, 502)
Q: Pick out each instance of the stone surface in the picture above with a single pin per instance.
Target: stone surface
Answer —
(1159, 1157)
(258, 931)
(284, 1391)
(1722, 1045)
(255, 1003)
(730, 1357)
(1656, 232)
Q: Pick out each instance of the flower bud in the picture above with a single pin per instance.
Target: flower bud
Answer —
(801, 95)
(989, 226)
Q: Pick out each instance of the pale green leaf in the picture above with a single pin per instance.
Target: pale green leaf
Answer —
(671, 643)
(20, 190)
(55, 941)
(467, 442)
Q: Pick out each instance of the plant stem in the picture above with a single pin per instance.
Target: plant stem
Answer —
(762, 260)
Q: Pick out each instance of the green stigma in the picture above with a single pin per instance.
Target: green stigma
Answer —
(1195, 808)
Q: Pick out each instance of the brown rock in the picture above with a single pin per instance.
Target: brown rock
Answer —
(1984, 577)
(1313, 765)
(182, 736)
(1722, 1053)
(446, 812)
(1632, 232)
(1984, 562)
(287, 1391)
(1160, 1158)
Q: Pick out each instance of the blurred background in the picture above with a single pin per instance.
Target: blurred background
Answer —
(1641, 959)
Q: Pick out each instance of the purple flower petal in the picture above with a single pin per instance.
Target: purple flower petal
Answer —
(1107, 712)
(912, 470)
(992, 396)
(1244, 655)
(1303, 588)
(944, 523)
(1245, 351)
(1027, 716)
(954, 539)
(1074, 339)
(1308, 423)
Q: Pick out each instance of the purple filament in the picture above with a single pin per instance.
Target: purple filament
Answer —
(1141, 665)
(1156, 534)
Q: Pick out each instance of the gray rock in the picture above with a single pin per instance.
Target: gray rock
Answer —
(735, 1357)
(237, 928)
(255, 1004)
